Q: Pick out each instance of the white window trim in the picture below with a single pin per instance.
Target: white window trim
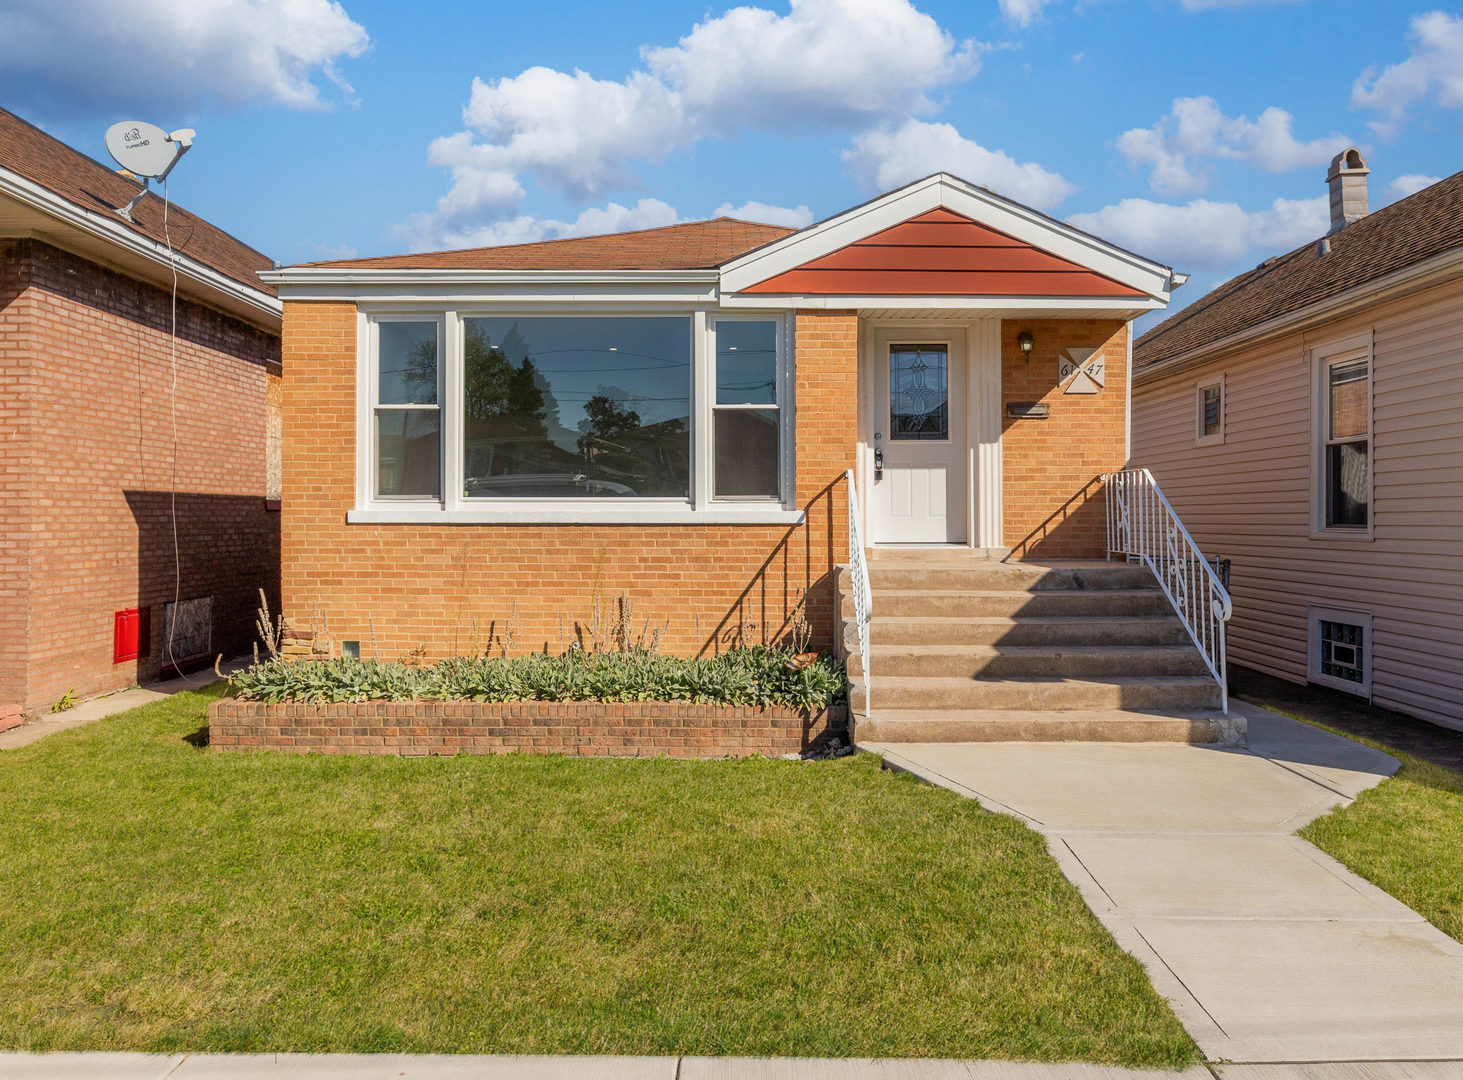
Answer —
(1217, 439)
(1322, 357)
(367, 395)
(454, 509)
(1317, 615)
(784, 412)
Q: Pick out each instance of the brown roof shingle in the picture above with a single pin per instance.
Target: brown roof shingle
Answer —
(28, 151)
(1395, 237)
(695, 245)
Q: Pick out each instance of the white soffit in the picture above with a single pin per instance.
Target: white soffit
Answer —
(951, 193)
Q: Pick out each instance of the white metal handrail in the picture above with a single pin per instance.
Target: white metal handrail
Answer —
(863, 593)
(1142, 525)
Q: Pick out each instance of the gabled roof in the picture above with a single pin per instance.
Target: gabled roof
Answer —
(694, 245)
(942, 253)
(91, 187)
(1143, 279)
(1394, 238)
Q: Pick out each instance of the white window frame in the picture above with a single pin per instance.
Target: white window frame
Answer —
(1315, 616)
(1201, 439)
(1323, 358)
(367, 483)
(784, 430)
(453, 508)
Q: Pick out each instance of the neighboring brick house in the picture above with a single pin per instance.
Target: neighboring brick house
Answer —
(92, 406)
(489, 446)
(1303, 418)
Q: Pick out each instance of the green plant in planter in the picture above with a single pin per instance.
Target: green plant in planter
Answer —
(753, 675)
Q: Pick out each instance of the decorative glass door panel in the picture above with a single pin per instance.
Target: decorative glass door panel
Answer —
(917, 420)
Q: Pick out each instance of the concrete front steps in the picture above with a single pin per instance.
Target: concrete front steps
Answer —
(972, 650)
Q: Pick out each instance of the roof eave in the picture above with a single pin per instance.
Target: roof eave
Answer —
(1419, 275)
(102, 227)
(372, 276)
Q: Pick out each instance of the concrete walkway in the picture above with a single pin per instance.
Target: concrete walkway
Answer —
(1268, 949)
(99, 708)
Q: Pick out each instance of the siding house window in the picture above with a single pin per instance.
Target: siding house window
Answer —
(1340, 650)
(1343, 454)
(1209, 412)
(489, 415)
(407, 416)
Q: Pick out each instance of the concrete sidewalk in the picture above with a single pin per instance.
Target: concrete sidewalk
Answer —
(1268, 949)
(99, 708)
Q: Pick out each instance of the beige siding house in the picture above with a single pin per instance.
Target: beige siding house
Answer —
(1304, 420)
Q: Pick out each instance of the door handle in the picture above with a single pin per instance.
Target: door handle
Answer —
(878, 464)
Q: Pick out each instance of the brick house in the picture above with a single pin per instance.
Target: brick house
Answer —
(483, 448)
(95, 393)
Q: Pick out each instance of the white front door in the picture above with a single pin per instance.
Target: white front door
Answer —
(917, 398)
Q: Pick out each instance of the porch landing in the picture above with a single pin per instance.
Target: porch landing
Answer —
(965, 648)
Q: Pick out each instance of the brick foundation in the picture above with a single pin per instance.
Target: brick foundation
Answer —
(584, 728)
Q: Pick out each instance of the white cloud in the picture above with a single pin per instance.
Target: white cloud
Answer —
(887, 157)
(1195, 129)
(1204, 235)
(169, 53)
(1407, 185)
(1434, 70)
(1023, 12)
(794, 217)
(1211, 5)
(426, 232)
(827, 65)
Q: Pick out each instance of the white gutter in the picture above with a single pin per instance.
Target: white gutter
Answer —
(116, 232)
(328, 275)
(1420, 275)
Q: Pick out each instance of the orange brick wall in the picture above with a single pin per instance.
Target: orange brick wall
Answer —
(1053, 503)
(459, 589)
(86, 505)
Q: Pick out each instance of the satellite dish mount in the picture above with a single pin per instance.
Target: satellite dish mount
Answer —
(147, 152)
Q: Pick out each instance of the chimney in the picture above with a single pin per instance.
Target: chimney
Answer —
(1347, 181)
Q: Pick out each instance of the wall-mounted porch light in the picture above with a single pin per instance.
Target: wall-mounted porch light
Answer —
(1025, 342)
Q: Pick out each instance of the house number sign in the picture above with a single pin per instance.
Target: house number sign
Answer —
(1082, 371)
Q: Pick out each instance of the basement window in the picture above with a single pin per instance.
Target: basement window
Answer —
(1340, 652)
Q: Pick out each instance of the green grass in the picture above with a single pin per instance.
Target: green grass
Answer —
(155, 896)
(1405, 836)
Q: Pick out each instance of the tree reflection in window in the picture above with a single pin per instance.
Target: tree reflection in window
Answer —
(541, 419)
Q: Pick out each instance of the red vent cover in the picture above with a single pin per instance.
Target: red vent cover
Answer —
(131, 635)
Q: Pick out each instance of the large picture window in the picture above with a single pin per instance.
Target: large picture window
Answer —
(562, 408)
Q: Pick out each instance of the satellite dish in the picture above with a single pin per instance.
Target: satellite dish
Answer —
(146, 151)
(142, 149)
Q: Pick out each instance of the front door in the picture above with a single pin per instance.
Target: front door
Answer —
(917, 397)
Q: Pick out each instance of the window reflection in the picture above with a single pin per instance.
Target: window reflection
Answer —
(576, 407)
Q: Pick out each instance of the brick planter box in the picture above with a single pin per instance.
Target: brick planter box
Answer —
(589, 728)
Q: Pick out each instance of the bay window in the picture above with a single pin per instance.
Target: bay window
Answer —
(484, 415)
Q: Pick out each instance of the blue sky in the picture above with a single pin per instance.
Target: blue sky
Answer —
(1194, 131)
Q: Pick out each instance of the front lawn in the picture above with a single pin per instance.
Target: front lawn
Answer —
(157, 896)
(1405, 836)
